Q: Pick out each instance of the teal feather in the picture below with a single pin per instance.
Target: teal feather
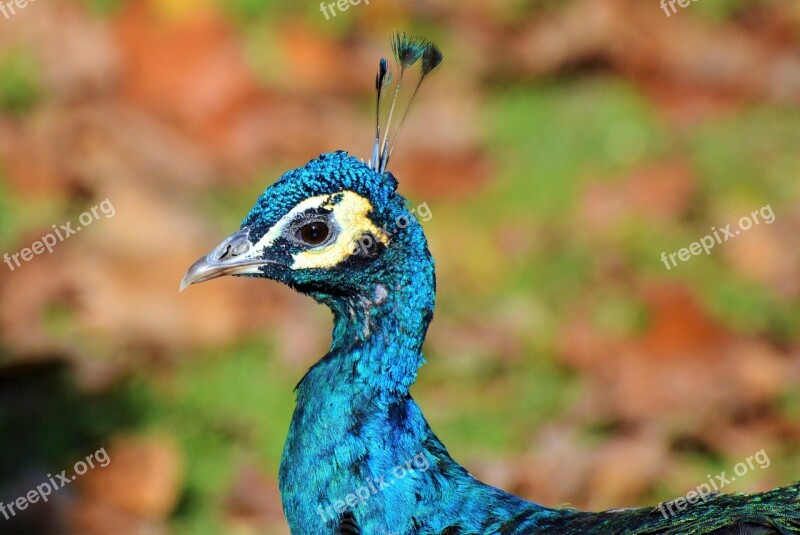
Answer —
(408, 49)
(431, 58)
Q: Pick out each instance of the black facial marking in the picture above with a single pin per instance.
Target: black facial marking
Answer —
(348, 525)
(367, 248)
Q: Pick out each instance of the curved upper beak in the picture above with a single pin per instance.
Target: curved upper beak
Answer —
(228, 258)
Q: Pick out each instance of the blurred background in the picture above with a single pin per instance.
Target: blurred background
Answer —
(561, 148)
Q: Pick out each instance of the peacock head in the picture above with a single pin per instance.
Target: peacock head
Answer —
(335, 228)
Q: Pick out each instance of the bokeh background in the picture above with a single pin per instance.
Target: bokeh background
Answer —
(562, 147)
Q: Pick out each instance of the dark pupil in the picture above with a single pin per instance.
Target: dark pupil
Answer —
(314, 233)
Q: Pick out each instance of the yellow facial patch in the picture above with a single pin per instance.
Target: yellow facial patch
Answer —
(350, 214)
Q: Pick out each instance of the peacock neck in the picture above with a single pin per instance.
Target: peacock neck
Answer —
(355, 420)
(379, 330)
(356, 427)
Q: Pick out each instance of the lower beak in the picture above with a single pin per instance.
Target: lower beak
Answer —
(228, 258)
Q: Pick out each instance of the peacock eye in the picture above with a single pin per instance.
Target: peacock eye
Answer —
(313, 233)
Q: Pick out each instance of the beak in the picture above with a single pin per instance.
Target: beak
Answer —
(229, 258)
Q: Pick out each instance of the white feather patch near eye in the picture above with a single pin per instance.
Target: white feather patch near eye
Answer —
(277, 229)
(350, 215)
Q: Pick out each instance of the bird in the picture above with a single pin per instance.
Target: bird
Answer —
(360, 457)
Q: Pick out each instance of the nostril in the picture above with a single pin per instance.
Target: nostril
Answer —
(230, 249)
(226, 253)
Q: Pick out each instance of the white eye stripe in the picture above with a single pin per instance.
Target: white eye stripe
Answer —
(349, 214)
(268, 239)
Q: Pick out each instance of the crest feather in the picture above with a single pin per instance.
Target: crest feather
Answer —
(407, 50)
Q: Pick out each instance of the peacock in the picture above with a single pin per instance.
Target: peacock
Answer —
(360, 458)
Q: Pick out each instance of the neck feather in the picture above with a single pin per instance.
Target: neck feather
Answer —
(379, 331)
